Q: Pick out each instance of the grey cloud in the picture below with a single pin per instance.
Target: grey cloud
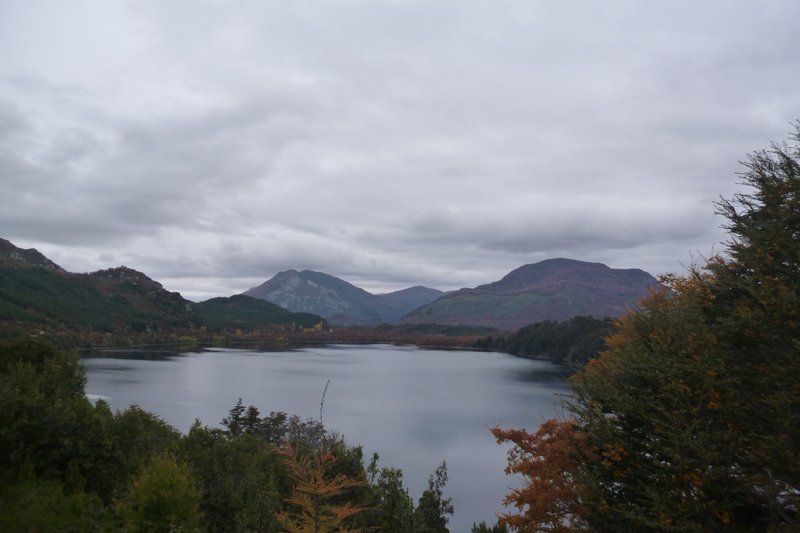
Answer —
(442, 143)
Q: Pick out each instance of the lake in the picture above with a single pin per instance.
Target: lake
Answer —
(415, 407)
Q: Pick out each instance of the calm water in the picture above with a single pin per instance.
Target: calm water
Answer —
(414, 407)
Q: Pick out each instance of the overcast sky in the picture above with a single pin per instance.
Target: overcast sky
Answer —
(212, 144)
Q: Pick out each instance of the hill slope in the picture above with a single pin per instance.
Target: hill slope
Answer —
(248, 313)
(555, 289)
(108, 300)
(338, 301)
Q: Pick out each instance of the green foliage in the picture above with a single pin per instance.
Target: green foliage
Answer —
(659, 434)
(277, 428)
(137, 436)
(756, 313)
(391, 509)
(432, 512)
(483, 528)
(46, 420)
(242, 477)
(25, 350)
(162, 498)
(30, 504)
(571, 342)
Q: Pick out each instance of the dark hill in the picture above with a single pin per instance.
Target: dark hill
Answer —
(555, 289)
(248, 313)
(108, 300)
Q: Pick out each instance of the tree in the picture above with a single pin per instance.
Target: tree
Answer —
(138, 436)
(276, 428)
(391, 509)
(653, 414)
(163, 497)
(313, 507)
(243, 479)
(548, 500)
(756, 310)
(433, 510)
(483, 528)
(46, 420)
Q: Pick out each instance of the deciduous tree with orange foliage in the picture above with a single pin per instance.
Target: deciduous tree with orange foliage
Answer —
(547, 459)
(313, 501)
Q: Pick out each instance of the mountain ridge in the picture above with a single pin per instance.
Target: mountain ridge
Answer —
(553, 289)
(338, 301)
(33, 289)
(36, 294)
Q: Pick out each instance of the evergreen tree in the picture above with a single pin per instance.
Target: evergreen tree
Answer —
(434, 510)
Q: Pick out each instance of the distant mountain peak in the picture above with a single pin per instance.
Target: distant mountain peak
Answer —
(558, 270)
(338, 301)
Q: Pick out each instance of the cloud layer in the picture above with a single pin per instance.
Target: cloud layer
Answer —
(212, 144)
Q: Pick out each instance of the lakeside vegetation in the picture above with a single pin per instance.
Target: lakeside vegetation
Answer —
(570, 342)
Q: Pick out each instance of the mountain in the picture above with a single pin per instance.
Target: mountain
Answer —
(35, 293)
(555, 289)
(338, 301)
(248, 313)
(12, 256)
(406, 300)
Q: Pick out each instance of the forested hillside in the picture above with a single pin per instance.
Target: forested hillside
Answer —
(571, 342)
(106, 300)
(249, 314)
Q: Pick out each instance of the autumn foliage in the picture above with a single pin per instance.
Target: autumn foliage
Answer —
(547, 460)
(313, 506)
